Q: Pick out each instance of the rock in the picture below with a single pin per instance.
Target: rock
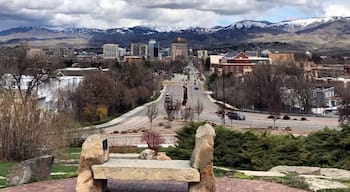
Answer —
(94, 152)
(202, 159)
(150, 170)
(335, 173)
(38, 168)
(147, 154)
(262, 173)
(163, 156)
(316, 184)
(300, 170)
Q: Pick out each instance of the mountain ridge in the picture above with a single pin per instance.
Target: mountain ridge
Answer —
(245, 31)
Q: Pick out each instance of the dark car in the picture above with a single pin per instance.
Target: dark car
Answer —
(235, 115)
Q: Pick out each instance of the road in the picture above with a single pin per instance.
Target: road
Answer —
(137, 118)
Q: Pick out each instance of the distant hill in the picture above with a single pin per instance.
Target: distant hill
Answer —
(326, 33)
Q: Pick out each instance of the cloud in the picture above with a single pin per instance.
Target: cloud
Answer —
(180, 13)
(337, 10)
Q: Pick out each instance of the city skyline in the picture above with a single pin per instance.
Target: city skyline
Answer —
(170, 14)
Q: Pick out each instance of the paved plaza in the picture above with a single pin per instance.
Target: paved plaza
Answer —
(222, 185)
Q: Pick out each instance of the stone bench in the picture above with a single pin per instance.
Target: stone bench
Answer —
(96, 167)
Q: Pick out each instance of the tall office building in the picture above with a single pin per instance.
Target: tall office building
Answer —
(110, 51)
(179, 49)
(153, 49)
(139, 49)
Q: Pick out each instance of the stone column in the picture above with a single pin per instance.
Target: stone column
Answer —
(94, 152)
(202, 159)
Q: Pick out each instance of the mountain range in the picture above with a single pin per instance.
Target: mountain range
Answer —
(327, 33)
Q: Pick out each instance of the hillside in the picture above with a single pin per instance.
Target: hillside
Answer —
(313, 34)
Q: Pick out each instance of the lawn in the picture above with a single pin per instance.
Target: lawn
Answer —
(57, 171)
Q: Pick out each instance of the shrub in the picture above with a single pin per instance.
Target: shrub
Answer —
(116, 132)
(261, 151)
(153, 140)
(26, 131)
(286, 117)
(303, 119)
(101, 112)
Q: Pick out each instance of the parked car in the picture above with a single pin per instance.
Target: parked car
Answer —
(235, 115)
(167, 97)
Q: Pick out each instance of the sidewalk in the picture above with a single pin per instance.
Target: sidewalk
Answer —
(222, 185)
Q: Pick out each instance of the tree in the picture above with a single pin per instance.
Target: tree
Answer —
(152, 112)
(300, 85)
(171, 107)
(344, 105)
(188, 114)
(16, 65)
(264, 85)
(96, 90)
(153, 140)
(198, 108)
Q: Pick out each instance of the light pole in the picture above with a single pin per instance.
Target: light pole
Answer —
(223, 93)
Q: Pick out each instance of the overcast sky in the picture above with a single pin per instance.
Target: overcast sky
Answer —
(173, 13)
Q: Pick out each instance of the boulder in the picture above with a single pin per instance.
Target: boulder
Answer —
(163, 156)
(35, 169)
(316, 184)
(94, 152)
(300, 170)
(202, 159)
(334, 173)
(147, 154)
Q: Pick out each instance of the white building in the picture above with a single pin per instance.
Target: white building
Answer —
(202, 54)
(49, 93)
(110, 51)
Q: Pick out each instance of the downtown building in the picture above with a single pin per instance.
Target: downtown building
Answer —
(110, 51)
(179, 49)
(139, 49)
(153, 49)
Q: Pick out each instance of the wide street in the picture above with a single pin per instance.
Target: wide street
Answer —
(138, 118)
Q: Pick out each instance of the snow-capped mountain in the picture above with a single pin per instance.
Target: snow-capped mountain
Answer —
(314, 32)
(248, 24)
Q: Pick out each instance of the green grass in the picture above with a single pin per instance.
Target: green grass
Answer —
(219, 173)
(4, 167)
(70, 171)
(69, 153)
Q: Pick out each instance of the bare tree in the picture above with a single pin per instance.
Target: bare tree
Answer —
(96, 91)
(171, 107)
(198, 108)
(26, 72)
(188, 114)
(264, 85)
(344, 107)
(152, 112)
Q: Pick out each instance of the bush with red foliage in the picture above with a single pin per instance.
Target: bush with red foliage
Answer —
(153, 140)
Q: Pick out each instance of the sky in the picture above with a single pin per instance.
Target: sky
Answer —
(104, 14)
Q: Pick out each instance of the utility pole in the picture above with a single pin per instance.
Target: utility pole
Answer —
(223, 93)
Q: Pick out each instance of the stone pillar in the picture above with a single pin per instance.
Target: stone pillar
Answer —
(202, 159)
(94, 152)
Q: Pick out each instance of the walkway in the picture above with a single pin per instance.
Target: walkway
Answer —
(222, 185)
